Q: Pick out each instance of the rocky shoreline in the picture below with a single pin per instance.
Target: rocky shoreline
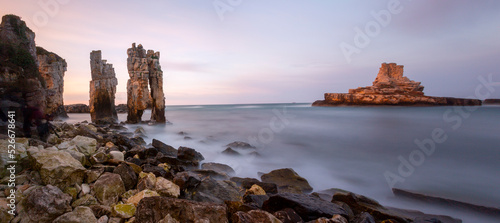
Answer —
(106, 173)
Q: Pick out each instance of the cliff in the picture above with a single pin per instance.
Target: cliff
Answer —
(102, 90)
(391, 88)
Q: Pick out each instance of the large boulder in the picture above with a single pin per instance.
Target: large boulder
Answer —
(79, 215)
(287, 180)
(44, 204)
(85, 145)
(128, 175)
(219, 167)
(58, 168)
(216, 191)
(167, 188)
(308, 207)
(164, 148)
(108, 188)
(188, 154)
(136, 199)
(154, 209)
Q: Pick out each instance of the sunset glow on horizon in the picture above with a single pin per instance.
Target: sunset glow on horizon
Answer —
(271, 51)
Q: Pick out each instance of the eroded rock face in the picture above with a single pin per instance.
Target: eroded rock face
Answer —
(391, 88)
(144, 69)
(52, 68)
(102, 90)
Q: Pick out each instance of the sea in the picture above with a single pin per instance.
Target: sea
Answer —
(450, 152)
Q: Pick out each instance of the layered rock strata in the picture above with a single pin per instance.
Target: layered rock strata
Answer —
(52, 67)
(102, 90)
(391, 88)
(144, 70)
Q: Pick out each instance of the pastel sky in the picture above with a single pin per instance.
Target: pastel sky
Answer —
(265, 51)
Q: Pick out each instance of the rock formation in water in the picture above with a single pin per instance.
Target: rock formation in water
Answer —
(102, 90)
(52, 68)
(20, 80)
(144, 69)
(391, 88)
(77, 108)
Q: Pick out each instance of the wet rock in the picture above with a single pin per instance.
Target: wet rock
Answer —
(141, 195)
(185, 153)
(218, 167)
(164, 148)
(216, 191)
(242, 145)
(128, 175)
(363, 218)
(254, 216)
(187, 180)
(255, 200)
(166, 188)
(58, 168)
(307, 206)
(360, 204)
(211, 173)
(231, 152)
(247, 183)
(288, 215)
(124, 210)
(156, 170)
(108, 188)
(154, 209)
(44, 204)
(79, 215)
(287, 180)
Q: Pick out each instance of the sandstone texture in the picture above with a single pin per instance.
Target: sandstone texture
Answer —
(144, 70)
(102, 90)
(52, 67)
(391, 88)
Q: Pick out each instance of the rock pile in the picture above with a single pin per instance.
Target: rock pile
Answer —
(144, 69)
(102, 90)
(97, 173)
(391, 88)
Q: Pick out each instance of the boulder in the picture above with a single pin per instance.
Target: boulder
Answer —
(166, 188)
(141, 195)
(231, 152)
(185, 153)
(58, 168)
(154, 209)
(4, 210)
(79, 215)
(117, 155)
(108, 188)
(146, 181)
(164, 148)
(218, 167)
(44, 204)
(215, 191)
(86, 145)
(308, 207)
(363, 217)
(124, 210)
(247, 183)
(239, 144)
(128, 175)
(85, 200)
(287, 180)
(255, 190)
(254, 216)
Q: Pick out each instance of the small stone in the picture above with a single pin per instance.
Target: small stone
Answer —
(139, 196)
(85, 200)
(117, 155)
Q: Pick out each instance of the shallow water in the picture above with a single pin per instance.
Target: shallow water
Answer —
(353, 147)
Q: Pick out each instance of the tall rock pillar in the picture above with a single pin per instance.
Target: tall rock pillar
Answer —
(52, 68)
(102, 90)
(144, 69)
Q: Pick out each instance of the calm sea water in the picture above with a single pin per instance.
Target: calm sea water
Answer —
(353, 148)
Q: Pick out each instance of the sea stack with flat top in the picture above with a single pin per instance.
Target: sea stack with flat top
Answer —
(391, 88)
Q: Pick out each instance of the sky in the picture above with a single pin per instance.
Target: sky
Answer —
(273, 51)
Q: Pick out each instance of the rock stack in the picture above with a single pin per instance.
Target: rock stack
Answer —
(102, 90)
(144, 69)
(52, 67)
(391, 88)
